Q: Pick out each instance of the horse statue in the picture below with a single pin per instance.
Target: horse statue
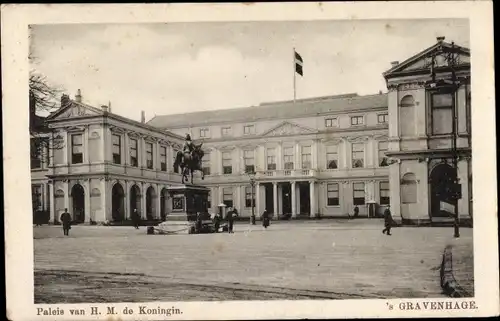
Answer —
(189, 163)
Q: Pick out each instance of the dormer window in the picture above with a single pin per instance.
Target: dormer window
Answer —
(357, 120)
(331, 122)
(249, 129)
(226, 131)
(204, 132)
(383, 118)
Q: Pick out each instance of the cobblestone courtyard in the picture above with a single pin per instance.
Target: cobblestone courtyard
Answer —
(291, 260)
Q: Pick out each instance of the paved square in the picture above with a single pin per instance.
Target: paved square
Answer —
(290, 260)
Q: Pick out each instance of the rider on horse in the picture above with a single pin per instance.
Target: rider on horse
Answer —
(188, 147)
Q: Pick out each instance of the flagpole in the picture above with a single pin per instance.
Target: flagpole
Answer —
(294, 77)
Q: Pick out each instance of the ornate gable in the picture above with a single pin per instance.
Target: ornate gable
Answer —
(288, 129)
(75, 110)
(423, 60)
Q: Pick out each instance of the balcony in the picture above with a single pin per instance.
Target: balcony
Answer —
(285, 173)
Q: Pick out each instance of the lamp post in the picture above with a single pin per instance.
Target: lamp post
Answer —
(452, 188)
(252, 184)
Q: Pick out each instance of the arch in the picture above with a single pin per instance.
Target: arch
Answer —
(407, 116)
(117, 202)
(135, 199)
(441, 180)
(150, 203)
(78, 201)
(163, 203)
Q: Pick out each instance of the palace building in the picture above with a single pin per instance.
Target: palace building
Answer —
(315, 157)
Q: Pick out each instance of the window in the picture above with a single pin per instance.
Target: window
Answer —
(407, 116)
(176, 168)
(204, 132)
(356, 120)
(117, 148)
(149, 155)
(383, 118)
(358, 193)
(248, 129)
(248, 158)
(226, 131)
(358, 151)
(409, 189)
(442, 109)
(249, 200)
(384, 193)
(36, 153)
(306, 157)
(205, 164)
(76, 149)
(330, 122)
(163, 158)
(227, 196)
(288, 157)
(133, 153)
(383, 160)
(333, 194)
(227, 167)
(331, 157)
(271, 159)
(36, 197)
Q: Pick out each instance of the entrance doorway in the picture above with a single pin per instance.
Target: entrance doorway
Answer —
(78, 197)
(135, 200)
(441, 180)
(305, 200)
(150, 204)
(163, 204)
(118, 204)
(269, 198)
(286, 190)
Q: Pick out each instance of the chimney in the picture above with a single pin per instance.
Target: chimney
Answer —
(64, 100)
(78, 96)
(394, 63)
(109, 106)
(143, 116)
(104, 109)
(440, 39)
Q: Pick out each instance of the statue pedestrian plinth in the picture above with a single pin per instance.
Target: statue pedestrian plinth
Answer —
(187, 201)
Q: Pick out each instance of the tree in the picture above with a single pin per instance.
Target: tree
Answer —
(42, 98)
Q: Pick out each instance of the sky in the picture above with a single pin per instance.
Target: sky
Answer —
(176, 68)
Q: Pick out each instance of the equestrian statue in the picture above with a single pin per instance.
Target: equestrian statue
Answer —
(189, 159)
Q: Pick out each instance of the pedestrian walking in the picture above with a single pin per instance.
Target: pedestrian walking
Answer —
(265, 219)
(135, 218)
(230, 220)
(66, 222)
(217, 220)
(356, 211)
(387, 221)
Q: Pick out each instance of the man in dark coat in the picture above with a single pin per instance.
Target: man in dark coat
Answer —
(135, 218)
(66, 222)
(230, 220)
(265, 219)
(356, 211)
(387, 221)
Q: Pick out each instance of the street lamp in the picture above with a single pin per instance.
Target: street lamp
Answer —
(453, 191)
(251, 175)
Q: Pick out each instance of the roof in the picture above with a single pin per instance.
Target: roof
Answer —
(276, 110)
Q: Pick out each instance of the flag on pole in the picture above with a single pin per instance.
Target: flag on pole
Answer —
(299, 63)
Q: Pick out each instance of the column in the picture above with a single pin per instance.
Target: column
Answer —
(143, 201)
(156, 156)
(66, 148)
(142, 152)
(279, 156)
(297, 192)
(297, 153)
(86, 154)
(238, 204)
(314, 154)
(53, 217)
(242, 192)
(126, 153)
(280, 199)
(221, 193)
(104, 194)
(86, 184)
(158, 201)
(257, 199)
(312, 196)
(275, 198)
(44, 197)
(66, 194)
(127, 200)
(394, 191)
(294, 199)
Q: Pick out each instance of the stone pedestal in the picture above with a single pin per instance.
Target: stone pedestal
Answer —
(187, 201)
